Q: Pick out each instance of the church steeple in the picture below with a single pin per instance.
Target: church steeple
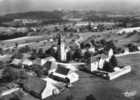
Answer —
(61, 46)
(59, 38)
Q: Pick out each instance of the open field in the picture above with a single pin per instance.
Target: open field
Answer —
(104, 89)
(120, 40)
(23, 41)
(87, 35)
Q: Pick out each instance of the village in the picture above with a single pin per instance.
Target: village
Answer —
(77, 60)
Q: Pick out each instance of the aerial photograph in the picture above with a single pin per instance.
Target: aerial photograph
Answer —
(69, 49)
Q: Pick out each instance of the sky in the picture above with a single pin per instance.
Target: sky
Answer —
(12, 6)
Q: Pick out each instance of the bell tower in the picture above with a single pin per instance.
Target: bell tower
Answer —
(61, 48)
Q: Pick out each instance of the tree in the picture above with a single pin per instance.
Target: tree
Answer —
(47, 67)
(38, 70)
(107, 67)
(118, 50)
(77, 54)
(82, 45)
(10, 74)
(24, 49)
(1, 51)
(89, 27)
(87, 56)
(70, 55)
(109, 45)
(87, 46)
(103, 42)
(41, 54)
(132, 47)
(93, 42)
(113, 61)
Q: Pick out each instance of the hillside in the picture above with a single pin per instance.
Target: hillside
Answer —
(38, 15)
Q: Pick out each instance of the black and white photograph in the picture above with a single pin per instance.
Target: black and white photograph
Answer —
(69, 49)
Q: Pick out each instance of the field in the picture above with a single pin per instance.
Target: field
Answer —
(119, 40)
(104, 89)
(32, 41)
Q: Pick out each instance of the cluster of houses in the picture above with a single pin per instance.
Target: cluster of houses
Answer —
(31, 82)
(83, 26)
(128, 30)
(13, 30)
(56, 77)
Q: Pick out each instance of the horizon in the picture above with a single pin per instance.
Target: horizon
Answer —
(16, 6)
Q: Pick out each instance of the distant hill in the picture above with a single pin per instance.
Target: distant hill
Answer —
(59, 15)
(40, 15)
(37, 15)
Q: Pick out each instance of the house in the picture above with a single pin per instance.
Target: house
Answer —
(126, 51)
(62, 71)
(39, 88)
(26, 55)
(16, 62)
(49, 90)
(45, 60)
(5, 58)
(37, 61)
(96, 62)
(27, 62)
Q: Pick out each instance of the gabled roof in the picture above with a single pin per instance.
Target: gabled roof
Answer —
(27, 62)
(16, 61)
(98, 57)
